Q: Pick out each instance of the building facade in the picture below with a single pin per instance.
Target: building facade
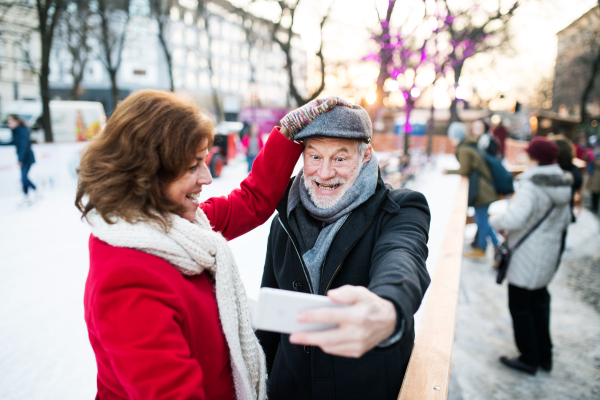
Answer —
(19, 48)
(578, 45)
(218, 56)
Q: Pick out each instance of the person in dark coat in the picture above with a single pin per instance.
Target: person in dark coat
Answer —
(20, 139)
(501, 134)
(565, 161)
(472, 162)
(341, 232)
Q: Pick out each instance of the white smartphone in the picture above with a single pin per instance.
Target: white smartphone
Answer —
(277, 310)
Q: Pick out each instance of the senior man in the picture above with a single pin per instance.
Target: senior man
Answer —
(343, 233)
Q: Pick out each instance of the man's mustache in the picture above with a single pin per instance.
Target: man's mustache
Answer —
(332, 181)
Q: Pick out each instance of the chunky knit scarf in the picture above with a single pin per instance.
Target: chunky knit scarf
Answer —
(363, 187)
(193, 247)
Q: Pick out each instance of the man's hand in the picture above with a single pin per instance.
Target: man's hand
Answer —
(20, 164)
(368, 321)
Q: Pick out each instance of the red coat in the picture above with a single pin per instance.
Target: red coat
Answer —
(155, 332)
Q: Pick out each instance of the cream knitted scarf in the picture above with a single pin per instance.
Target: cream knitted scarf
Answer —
(192, 247)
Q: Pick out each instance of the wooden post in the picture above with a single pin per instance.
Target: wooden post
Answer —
(428, 370)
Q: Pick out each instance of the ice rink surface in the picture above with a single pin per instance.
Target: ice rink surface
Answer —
(44, 348)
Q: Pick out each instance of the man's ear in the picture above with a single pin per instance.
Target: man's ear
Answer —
(367, 155)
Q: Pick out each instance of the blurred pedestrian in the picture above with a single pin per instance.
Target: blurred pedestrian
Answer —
(165, 308)
(593, 183)
(26, 158)
(565, 161)
(485, 140)
(542, 197)
(501, 134)
(252, 144)
(481, 189)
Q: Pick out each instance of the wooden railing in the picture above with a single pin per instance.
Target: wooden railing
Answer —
(428, 371)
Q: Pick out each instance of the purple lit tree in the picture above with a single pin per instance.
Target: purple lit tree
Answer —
(470, 31)
(401, 55)
(442, 40)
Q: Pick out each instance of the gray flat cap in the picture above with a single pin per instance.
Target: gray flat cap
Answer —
(340, 122)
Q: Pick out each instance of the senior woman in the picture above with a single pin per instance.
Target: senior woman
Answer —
(542, 197)
(165, 308)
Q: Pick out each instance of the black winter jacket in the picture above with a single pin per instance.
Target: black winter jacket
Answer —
(20, 139)
(382, 246)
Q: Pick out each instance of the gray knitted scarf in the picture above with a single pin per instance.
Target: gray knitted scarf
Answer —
(335, 216)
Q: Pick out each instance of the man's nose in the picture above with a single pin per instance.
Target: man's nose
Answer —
(326, 171)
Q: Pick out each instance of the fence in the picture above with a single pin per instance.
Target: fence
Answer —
(428, 371)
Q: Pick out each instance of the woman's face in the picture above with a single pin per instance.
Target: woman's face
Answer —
(185, 191)
(12, 123)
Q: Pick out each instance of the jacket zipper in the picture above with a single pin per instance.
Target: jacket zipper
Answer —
(298, 253)
(345, 254)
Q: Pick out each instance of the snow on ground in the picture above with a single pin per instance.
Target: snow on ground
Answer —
(44, 348)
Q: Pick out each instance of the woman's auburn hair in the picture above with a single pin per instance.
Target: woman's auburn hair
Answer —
(150, 140)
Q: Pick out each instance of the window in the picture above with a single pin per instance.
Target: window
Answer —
(191, 58)
(190, 37)
(174, 14)
(179, 56)
(188, 18)
(203, 41)
(177, 36)
(191, 80)
(224, 48)
(203, 63)
(214, 80)
(204, 80)
(225, 66)
(214, 27)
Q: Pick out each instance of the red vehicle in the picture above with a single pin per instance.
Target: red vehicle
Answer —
(224, 147)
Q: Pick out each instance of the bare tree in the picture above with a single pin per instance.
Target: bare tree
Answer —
(592, 61)
(400, 57)
(283, 36)
(207, 18)
(159, 11)
(113, 22)
(472, 30)
(75, 29)
(49, 13)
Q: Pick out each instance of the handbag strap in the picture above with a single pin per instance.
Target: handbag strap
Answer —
(533, 228)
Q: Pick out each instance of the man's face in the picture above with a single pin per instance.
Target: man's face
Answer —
(331, 166)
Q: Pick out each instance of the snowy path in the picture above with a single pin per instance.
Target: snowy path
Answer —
(44, 348)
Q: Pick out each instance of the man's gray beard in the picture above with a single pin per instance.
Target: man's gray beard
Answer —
(325, 202)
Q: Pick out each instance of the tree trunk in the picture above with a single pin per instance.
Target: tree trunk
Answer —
(408, 107)
(114, 89)
(453, 107)
(45, 87)
(430, 128)
(45, 94)
(168, 57)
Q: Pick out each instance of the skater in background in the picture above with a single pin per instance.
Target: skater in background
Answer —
(253, 144)
(481, 190)
(542, 197)
(20, 139)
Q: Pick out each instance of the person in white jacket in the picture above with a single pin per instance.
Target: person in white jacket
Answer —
(540, 187)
